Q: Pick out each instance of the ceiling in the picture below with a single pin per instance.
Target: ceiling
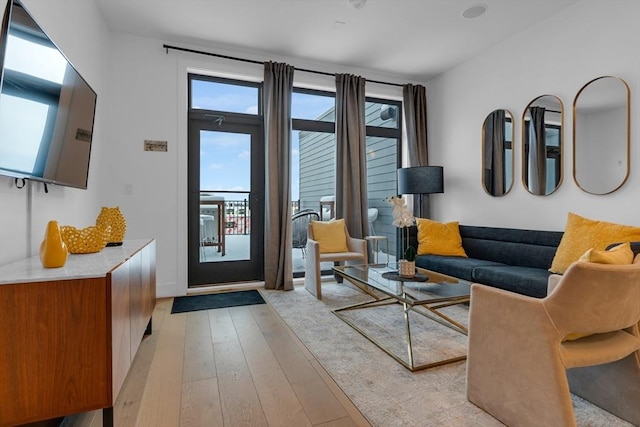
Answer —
(408, 39)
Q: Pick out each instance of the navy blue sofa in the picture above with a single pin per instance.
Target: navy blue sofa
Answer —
(507, 258)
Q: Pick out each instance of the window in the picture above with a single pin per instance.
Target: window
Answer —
(314, 151)
(313, 167)
(208, 93)
(384, 134)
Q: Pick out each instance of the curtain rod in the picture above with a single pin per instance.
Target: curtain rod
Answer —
(251, 61)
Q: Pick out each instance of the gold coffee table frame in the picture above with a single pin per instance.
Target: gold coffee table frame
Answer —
(424, 298)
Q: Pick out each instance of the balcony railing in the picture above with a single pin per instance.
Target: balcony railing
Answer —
(238, 219)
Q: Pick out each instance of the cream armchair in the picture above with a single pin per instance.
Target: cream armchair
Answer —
(357, 254)
(518, 356)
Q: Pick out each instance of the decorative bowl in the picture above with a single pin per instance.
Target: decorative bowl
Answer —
(86, 240)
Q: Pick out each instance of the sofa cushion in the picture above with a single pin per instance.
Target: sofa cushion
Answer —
(459, 267)
(523, 280)
(511, 246)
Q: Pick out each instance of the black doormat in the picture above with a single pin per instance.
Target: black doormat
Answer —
(211, 301)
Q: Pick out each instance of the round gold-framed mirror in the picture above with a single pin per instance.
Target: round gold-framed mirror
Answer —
(497, 153)
(542, 145)
(601, 143)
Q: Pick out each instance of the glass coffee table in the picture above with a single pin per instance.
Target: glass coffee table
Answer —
(426, 295)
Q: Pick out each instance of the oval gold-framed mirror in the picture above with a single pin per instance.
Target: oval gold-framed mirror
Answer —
(542, 145)
(497, 153)
(601, 142)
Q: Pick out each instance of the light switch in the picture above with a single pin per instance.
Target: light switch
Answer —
(128, 189)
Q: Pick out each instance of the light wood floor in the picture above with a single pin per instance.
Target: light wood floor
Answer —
(239, 366)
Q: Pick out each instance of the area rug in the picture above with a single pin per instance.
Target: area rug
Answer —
(383, 390)
(220, 300)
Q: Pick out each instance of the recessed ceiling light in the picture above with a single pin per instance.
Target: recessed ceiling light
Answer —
(338, 25)
(474, 11)
(357, 4)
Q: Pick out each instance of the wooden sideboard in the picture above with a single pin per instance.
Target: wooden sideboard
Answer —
(68, 335)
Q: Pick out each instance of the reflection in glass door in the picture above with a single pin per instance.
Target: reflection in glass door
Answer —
(226, 203)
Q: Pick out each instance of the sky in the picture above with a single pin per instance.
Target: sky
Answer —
(225, 162)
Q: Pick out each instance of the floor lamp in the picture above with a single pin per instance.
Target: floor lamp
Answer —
(420, 180)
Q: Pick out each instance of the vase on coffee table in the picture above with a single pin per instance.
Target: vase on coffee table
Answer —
(406, 268)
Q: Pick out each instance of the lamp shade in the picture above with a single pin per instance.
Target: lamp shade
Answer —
(420, 180)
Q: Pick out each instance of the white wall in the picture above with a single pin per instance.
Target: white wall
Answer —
(80, 32)
(557, 57)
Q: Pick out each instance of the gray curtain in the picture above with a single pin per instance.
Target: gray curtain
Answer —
(537, 178)
(351, 165)
(415, 113)
(494, 153)
(278, 87)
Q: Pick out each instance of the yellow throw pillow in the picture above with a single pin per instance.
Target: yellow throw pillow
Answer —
(330, 235)
(575, 336)
(581, 233)
(438, 238)
(620, 254)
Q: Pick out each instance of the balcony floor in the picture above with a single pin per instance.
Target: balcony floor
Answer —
(237, 248)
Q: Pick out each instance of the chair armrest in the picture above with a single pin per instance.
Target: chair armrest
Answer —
(513, 348)
(504, 317)
(552, 282)
(490, 301)
(357, 245)
(312, 248)
(514, 330)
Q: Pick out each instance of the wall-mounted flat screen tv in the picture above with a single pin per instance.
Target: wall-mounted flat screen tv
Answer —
(46, 108)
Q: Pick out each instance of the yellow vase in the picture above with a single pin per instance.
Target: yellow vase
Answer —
(53, 251)
(112, 217)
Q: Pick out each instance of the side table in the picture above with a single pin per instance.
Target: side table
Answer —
(375, 247)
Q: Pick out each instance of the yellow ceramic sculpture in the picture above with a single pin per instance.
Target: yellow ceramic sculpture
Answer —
(112, 217)
(53, 251)
(85, 241)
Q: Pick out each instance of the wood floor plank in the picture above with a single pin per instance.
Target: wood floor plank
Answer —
(238, 396)
(342, 422)
(354, 413)
(160, 404)
(85, 419)
(315, 396)
(198, 348)
(127, 406)
(279, 402)
(201, 404)
(221, 326)
(247, 387)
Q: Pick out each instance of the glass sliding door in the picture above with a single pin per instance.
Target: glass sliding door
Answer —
(314, 162)
(313, 166)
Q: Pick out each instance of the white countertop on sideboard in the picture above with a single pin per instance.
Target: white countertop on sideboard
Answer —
(78, 266)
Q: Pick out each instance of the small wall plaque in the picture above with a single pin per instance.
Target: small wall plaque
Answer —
(83, 135)
(151, 145)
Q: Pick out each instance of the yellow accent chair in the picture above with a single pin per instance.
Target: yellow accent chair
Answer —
(521, 366)
(330, 242)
